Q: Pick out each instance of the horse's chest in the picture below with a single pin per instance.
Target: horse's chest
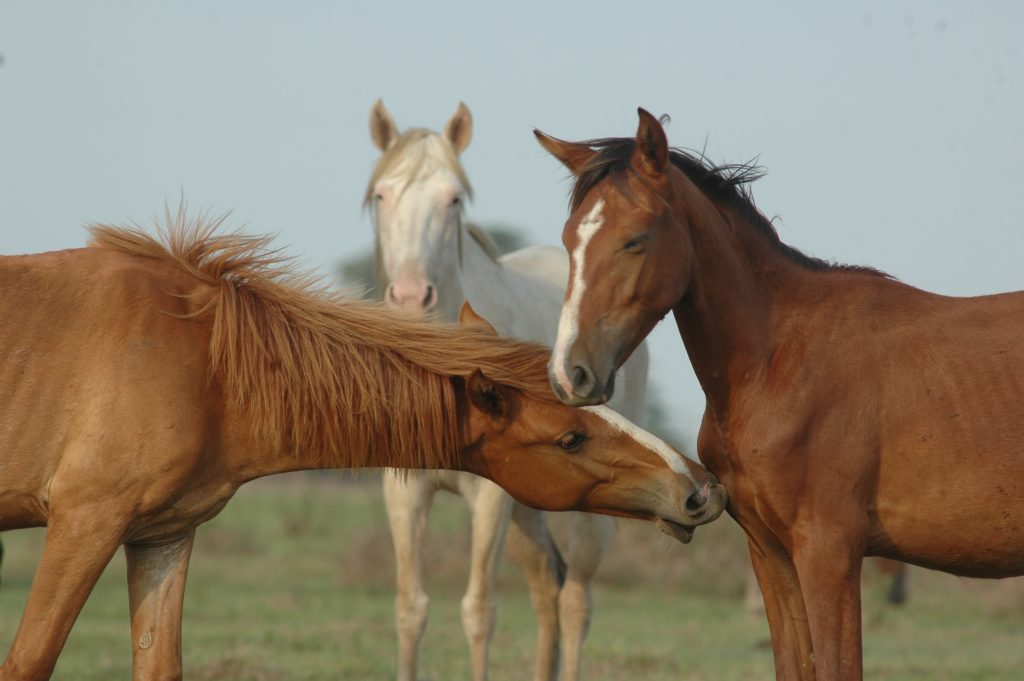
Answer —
(189, 509)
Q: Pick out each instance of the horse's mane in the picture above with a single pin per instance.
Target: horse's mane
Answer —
(484, 240)
(726, 185)
(344, 380)
(415, 153)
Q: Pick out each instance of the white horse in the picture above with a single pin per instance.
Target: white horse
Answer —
(428, 262)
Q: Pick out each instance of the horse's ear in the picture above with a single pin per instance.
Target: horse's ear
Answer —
(573, 155)
(651, 155)
(459, 128)
(383, 130)
(469, 317)
(495, 400)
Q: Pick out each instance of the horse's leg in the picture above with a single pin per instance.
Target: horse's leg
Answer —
(531, 547)
(491, 510)
(408, 501)
(587, 543)
(828, 563)
(898, 588)
(784, 607)
(78, 546)
(156, 589)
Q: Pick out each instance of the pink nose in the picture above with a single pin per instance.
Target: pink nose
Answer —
(414, 295)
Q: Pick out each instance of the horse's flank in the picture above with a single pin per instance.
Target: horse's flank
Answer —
(317, 373)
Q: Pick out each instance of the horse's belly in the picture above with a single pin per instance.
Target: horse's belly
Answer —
(982, 540)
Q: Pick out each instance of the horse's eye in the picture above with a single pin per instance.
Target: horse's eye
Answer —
(456, 201)
(637, 243)
(378, 197)
(572, 441)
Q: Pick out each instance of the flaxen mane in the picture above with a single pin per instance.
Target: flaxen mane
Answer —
(415, 153)
(725, 184)
(319, 373)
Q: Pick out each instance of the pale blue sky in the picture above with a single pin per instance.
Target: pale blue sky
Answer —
(891, 131)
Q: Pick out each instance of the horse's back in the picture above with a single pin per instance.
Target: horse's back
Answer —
(547, 263)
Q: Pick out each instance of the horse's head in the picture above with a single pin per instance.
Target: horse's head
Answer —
(559, 458)
(417, 192)
(629, 263)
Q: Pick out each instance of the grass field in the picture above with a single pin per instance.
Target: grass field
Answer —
(294, 581)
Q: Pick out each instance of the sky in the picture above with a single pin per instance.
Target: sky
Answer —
(892, 132)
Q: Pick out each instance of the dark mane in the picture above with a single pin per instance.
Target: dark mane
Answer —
(726, 185)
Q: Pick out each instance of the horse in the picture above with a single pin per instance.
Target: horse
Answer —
(147, 378)
(848, 414)
(428, 260)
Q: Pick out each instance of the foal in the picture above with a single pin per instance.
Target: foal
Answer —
(145, 381)
(847, 413)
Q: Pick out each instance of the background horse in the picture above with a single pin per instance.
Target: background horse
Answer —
(428, 261)
(145, 381)
(847, 413)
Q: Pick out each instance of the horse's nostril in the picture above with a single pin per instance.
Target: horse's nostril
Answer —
(429, 298)
(695, 503)
(582, 379)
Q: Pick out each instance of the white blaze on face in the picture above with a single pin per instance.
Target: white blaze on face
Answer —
(416, 221)
(672, 458)
(569, 322)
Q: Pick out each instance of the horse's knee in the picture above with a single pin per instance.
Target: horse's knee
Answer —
(478, 617)
(411, 613)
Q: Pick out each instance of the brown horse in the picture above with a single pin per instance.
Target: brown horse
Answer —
(848, 414)
(145, 381)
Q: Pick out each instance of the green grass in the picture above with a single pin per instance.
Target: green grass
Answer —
(294, 581)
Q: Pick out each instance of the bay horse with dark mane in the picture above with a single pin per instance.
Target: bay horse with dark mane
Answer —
(144, 381)
(848, 414)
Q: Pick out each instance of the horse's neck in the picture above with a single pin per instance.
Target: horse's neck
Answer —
(726, 317)
(249, 455)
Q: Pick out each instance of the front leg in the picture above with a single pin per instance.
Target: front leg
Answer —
(828, 562)
(491, 509)
(79, 544)
(784, 607)
(407, 497)
(588, 541)
(156, 589)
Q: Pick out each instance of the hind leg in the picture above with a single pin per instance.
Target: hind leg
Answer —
(898, 587)
(588, 542)
(531, 547)
(491, 508)
(408, 503)
(79, 544)
(156, 589)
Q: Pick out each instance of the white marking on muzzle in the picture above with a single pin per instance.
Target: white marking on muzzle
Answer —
(672, 458)
(569, 321)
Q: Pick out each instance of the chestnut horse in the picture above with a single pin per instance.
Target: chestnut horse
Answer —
(144, 381)
(848, 414)
(429, 260)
